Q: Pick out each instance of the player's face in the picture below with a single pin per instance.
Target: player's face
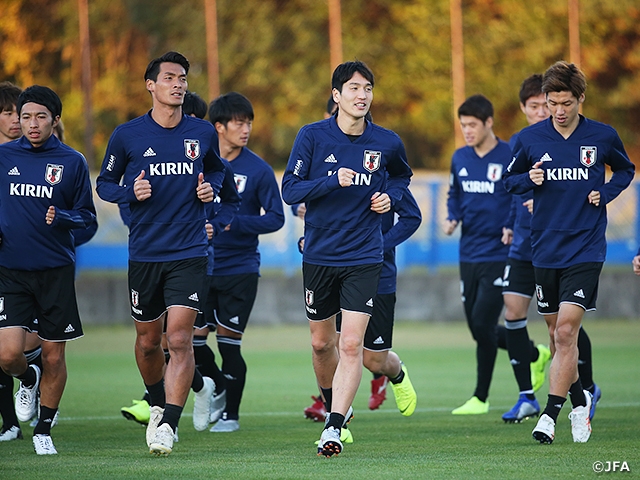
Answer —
(355, 98)
(475, 132)
(564, 108)
(171, 85)
(37, 123)
(236, 133)
(9, 125)
(535, 109)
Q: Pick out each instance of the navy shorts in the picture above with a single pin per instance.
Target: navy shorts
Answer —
(519, 278)
(577, 284)
(231, 298)
(379, 334)
(331, 289)
(156, 286)
(46, 295)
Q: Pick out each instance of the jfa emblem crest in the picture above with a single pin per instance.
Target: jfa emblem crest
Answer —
(241, 182)
(1, 304)
(588, 156)
(494, 171)
(308, 296)
(539, 293)
(371, 160)
(54, 174)
(192, 149)
(135, 298)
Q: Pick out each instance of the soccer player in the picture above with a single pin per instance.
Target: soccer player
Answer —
(46, 183)
(348, 172)
(478, 200)
(163, 157)
(563, 161)
(236, 258)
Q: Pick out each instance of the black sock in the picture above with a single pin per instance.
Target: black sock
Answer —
(398, 378)
(29, 377)
(171, 416)
(535, 353)
(206, 362)
(519, 348)
(376, 376)
(34, 357)
(554, 405)
(197, 383)
(327, 394)
(335, 420)
(577, 394)
(44, 421)
(501, 331)
(585, 369)
(7, 410)
(234, 369)
(486, 359)
(167, 356)
(146, 397)
(156, 394)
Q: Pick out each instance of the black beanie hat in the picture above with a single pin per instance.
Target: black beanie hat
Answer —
(42, 96)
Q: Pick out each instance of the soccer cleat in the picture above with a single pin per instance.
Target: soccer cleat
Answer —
(473, 406)
(155, 415)
(43, 445)
(545, 430)
(537, 367)
(378, 392)
(138, 412)
(217, 406)
(27, 398)
(406, 397)
(330, 443)
(345, 435)
(8, 434)
(317, 410)
(597, 393)
(162, 443)
(225, 425)
(202, 405)
(580, 423)
(523, 409)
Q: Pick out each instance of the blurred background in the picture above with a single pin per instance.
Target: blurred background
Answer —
(427, 55)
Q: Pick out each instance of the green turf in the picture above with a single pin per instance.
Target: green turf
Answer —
(275, 441)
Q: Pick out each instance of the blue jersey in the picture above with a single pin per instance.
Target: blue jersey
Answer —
(478, 199)
(565, 228)
(520, 222)
(340, 227)
(170, 225)
(236, 249)
(394, 233)
(33, 179)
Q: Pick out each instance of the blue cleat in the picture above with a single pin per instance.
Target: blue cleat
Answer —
(523, 409)
(597, 393)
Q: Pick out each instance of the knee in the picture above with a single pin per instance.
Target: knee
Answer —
(565, 336)
(373, 362)
(322, 345)
(53, 360)
(180, 342)
(350, 346)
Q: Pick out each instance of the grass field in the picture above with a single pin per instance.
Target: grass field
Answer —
(275, 441)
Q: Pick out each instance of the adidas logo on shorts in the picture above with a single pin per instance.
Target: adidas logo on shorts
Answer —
(378, 341)
(69, 329)
(194, 297)
(579, 294)
(369, 303)
(235, 320)
(149, 153)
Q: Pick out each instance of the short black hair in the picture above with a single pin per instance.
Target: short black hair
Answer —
(477, 106)
(531, 87)
(9, 94)
(194, 105)
(151, 73)
(230, 106)
(42, 96)
(343, 73)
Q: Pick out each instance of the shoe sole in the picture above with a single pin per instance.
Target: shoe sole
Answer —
(329, 449)
(131, 416)
(543, 438)
(516, 420)
(159, 450)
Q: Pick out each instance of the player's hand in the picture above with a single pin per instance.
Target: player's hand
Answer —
(507, 236)
(636, 265)
(536, 174)
(301, 244)
(204, 190)
(227, 228)
(302, 209)
(380, 202)
(141, 187)
(209, 228)
(51, 214)
(529, 205)
(449, 226)
(345, 176)
(594, 198)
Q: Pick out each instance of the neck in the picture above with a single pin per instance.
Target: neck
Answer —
(167, 116)
(488, 144)
(567, 130)
(350, 125)
(229, 152)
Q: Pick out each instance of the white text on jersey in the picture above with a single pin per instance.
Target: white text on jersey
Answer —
(475, 186)
(28, 190)
(171, 168)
